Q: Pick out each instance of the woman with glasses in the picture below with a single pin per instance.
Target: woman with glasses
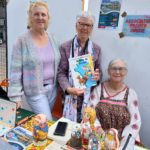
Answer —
(117, 105)
(77, 46)
(35, 59)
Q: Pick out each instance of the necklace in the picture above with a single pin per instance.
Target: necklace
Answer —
(109, 88)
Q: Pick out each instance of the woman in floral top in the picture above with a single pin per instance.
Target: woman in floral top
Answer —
(117, 105)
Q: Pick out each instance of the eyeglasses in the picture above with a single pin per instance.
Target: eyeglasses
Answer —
(85, 25)
(120, 69)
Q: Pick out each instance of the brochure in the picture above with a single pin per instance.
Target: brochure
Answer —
(19, 137)
(82, 68)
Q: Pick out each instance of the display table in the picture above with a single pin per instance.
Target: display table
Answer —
(29, 126)
(26, 118)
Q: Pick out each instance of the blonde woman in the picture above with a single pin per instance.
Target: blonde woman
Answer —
(35, 59)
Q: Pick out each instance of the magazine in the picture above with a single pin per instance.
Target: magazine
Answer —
(19, 137)
(82, 68)
(16, 145)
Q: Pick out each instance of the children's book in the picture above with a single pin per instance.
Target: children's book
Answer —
(82, 68)
(19, 137)
(23, 115)
(7, 115)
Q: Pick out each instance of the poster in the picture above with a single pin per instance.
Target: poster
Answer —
(109, 14)
(136, 26)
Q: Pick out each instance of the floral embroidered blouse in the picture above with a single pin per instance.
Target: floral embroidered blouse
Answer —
(133, 125)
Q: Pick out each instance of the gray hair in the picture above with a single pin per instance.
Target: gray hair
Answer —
(115, 60)
(85, 14)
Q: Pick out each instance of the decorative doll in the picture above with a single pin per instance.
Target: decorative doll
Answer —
(75, 140)
(40, 130)
(111, 139)
(93, 142)
(87, 124)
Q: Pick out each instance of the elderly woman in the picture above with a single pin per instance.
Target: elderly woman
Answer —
(35, 59)
(117, 105)
(79, 45)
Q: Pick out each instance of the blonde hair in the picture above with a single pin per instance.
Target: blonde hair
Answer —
(32, 6)
(92, 113)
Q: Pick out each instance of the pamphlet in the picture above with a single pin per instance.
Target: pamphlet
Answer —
(19, 136)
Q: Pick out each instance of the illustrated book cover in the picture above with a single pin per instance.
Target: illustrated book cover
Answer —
(81, 69)
(19, 137)
(7, 115)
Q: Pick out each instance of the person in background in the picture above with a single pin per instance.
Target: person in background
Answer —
(34, 63)
(117, 105)
(79, 45)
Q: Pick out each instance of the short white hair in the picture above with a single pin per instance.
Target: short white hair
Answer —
(85, 14)
(115, 60)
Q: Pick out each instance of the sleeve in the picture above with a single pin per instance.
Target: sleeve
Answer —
(62, 74)
(15, 89)
(97, 64)
(93, 101)
(95, 96)
(134, 127)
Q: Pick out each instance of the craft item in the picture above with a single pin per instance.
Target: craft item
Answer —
(40, 130)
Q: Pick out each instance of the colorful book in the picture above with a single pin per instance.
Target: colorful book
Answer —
(82, 68)
(19, 137)
(7, 115)
(23, 115)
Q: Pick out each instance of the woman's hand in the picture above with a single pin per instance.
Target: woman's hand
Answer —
(18, 104)
(75, 91)
(96, 75)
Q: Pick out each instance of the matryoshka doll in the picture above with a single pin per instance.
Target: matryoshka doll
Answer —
(87, 124)
(40, 130)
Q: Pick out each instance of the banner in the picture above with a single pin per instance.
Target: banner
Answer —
(136, 26)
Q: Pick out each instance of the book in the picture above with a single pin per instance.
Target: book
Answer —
(81, 69)
(23, 115)
(16, 145)
(7, 115)
(19, 137)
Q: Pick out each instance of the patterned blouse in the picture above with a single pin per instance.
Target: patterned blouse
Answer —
(119, 111)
